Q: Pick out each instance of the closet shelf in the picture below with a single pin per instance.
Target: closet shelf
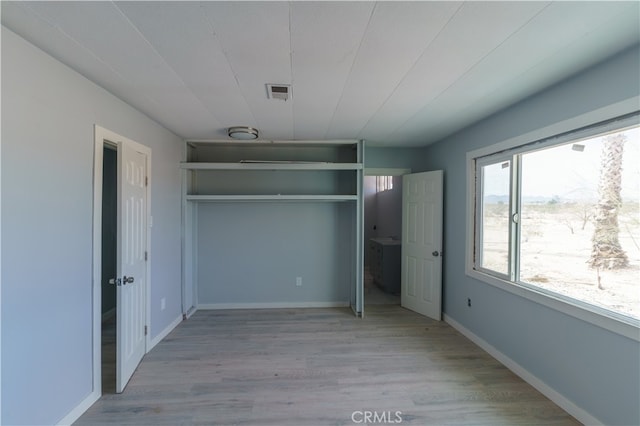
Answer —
(327, 198)
(288, 187)
(271, 166)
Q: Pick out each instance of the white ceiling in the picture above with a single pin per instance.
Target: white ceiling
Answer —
(393, 73)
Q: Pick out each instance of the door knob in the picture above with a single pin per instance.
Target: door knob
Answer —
(127, 280)
(436, 253)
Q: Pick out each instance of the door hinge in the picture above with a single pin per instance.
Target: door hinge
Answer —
(145, 330)
(145, 256)
(146, 181)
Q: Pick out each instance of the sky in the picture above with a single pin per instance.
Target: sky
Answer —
(569, 174)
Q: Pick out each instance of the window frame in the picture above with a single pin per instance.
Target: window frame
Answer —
(584, 127)
(479, 164)
(384, 183)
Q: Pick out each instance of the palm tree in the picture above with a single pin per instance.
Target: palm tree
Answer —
(606, 252)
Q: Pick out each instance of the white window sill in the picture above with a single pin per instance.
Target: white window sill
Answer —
(619, 324)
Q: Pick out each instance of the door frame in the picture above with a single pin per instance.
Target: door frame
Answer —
(376, 171)
(386, 171)
(102, 137)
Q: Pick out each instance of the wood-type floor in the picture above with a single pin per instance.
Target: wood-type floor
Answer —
(321, 367)
(109, 356)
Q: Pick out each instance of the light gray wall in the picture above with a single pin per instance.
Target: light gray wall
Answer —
(410, 158)
(48, 114)
(253, 252)
(596, 369)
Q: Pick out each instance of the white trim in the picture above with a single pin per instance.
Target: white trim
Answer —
(195, 283)
(273, 305)
(563, 402)
(382, 171)
(271, 198)
(189, 220)
(168, 329)
(190, 312)
(600, 317)
(271, 166)
(359, 242)
(97, 266)
(0, 252)
(259, 142)
(80, 409)
(183, 231)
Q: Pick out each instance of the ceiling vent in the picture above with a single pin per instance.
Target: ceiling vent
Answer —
(279, 91)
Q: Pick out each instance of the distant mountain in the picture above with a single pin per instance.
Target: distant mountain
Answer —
(496, 199)
(537, 199)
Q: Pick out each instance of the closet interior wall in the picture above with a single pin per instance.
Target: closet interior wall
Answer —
(273, 224)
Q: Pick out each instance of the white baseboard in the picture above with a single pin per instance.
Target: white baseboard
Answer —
(164, 333)
(95, 395)
(579, 413)
(109, 314)
(275, 305)
(190, 312)
(80, 409)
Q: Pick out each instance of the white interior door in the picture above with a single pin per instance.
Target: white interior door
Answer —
(422, 243)
(132, 252)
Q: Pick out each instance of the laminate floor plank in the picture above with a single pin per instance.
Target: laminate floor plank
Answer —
(317, 367)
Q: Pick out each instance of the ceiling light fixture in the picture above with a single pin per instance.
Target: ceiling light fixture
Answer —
(242, 133)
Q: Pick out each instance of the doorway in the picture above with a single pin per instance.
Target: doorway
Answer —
(121, 259)
(382, 235)
(109, 266)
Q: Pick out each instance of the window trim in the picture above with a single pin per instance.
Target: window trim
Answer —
(614, 116)
(482, 162)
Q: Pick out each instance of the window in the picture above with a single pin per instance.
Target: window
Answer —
(495, 178)
(561, 217)
(384, 183)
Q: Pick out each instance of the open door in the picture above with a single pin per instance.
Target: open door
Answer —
(132, 255)
(422, 243)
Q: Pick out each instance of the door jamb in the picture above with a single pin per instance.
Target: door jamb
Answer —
(386, 171)
(103, 136)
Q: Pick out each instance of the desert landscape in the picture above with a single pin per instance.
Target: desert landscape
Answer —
(555, 250)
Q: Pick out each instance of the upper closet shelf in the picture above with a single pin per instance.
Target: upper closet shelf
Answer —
(328, 198)
(273, 165)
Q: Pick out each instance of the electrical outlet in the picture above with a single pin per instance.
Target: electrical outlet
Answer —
(468, 301)
(163, 303)
(298, 281)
